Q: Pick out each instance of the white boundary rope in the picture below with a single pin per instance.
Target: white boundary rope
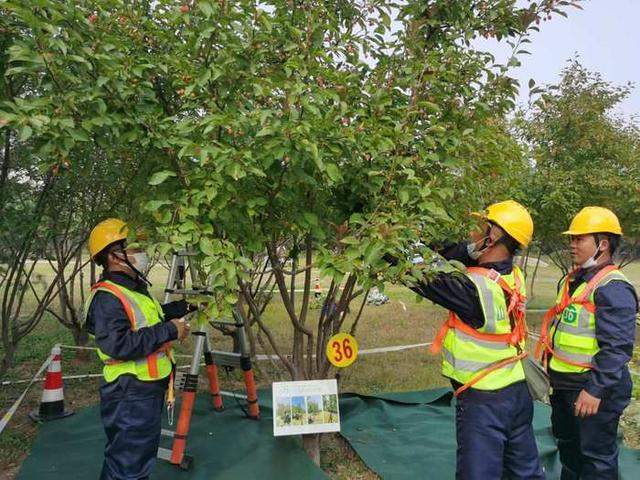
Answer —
(7, 416)
(261, 357)
(37, 377)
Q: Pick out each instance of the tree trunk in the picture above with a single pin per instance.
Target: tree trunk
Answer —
(81, 338)
(7, 359)
(4, 169)
(533, 277)
(92, 274)
(311, 445)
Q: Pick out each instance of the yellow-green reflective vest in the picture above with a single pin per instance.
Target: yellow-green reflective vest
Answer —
(464, 357)
(142, 311)
(573, 331)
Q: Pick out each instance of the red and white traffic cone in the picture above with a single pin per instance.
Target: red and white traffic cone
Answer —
(52, 403)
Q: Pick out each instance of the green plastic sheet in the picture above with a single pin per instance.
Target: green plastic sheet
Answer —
(404, 435)
(225, 445)
(412, 435)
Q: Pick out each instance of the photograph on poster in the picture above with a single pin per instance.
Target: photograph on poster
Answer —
(305, 407)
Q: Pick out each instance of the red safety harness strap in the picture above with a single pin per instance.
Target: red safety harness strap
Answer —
(515, 310)
(152, 359)
(544, 346)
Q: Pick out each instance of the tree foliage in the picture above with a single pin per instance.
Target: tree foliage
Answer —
(582, 154)
(278, 133)
(48, 202)
(280, 137)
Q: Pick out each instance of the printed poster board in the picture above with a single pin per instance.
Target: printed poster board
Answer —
(305, 407)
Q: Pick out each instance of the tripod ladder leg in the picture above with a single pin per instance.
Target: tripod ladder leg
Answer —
(188, 401)
(212, 374)
(247, 369)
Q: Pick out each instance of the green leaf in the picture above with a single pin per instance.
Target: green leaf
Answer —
(373, 252)
(333, 172)
(79, 135)
(206, 246)
(311, 218)
(206, 8)
(264, 132)
(314, 151)
(430, 106)
(236, 171)
(154, 205)
(159, 177)
(350, 240)
(25, 133)
(438, 129)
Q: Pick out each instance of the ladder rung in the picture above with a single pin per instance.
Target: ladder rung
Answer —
(193, 291)
(164, 454)
(226, 359)
(223, 322)
(231, 394)
(184, 380)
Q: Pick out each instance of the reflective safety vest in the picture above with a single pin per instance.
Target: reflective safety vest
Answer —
(142, 311)
(487, 358)
(568, 338)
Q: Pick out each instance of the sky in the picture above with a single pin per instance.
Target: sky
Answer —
(605, 35)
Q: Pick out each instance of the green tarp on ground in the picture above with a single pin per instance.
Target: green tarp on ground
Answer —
(398, 435)
(224, 445)
(412, 435)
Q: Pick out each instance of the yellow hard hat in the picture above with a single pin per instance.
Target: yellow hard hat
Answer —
(105, 233)
(594, 220)
(513, 218)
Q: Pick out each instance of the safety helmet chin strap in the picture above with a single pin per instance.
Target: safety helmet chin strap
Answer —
(504, 239)
(487, 236)
(126, 260)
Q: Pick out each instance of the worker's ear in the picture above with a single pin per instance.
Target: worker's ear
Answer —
(603, 245)
(116, 257)
(494, 235)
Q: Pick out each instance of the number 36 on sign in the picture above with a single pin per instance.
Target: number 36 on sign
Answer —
(342, 350)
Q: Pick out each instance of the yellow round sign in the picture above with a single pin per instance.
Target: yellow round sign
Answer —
(342, 350)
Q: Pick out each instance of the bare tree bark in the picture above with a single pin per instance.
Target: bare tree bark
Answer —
(244, 290)
(533, 277)
(6, 161)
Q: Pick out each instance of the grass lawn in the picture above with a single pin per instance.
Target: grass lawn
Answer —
(403, 320)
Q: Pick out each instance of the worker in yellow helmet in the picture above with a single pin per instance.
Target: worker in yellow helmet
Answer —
(586, 343)
(133, 333)
(482, 346)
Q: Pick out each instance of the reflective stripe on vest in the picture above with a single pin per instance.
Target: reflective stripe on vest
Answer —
(572, 332)
(141, 311)
(486, 358)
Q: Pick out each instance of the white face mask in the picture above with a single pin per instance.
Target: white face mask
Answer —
(472, 248)
(140, 260)
(593, 260)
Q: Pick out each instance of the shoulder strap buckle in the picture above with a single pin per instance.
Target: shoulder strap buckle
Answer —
(493, 275)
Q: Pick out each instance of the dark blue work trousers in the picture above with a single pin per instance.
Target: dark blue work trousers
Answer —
(495, 435)
(131, 413)
(588, 446)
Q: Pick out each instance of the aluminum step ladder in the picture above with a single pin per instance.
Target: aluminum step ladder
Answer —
(181, 264)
